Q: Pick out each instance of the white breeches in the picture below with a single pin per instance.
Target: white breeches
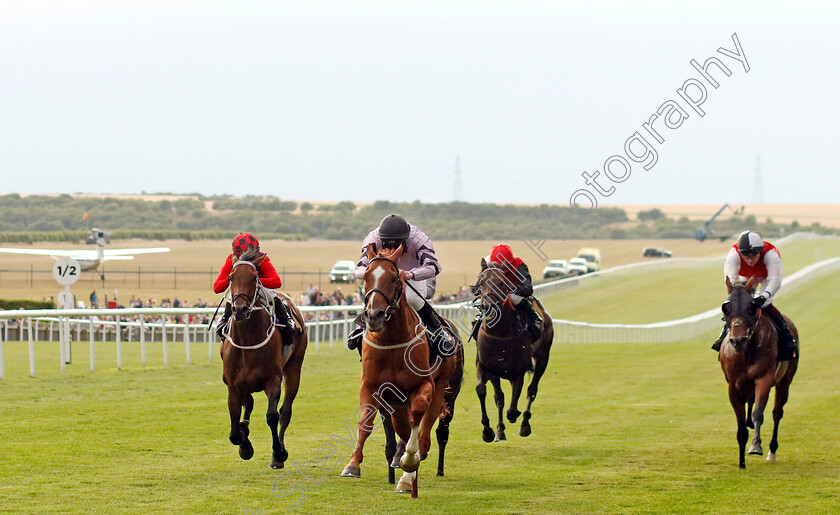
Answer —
(516, 299)
(421, 286)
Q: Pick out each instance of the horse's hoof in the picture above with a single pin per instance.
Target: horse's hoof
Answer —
(246, 450)
(351, 471)
(236, 439)
(755, 449)
(275, 463)
(281, 456)
(525, 430)
(487, 435)
(513, 415)
(771, 457)
(500, 437)
(244, 429)
(742, 466)
(404, 486)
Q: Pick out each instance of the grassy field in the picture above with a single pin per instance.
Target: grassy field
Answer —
(633, 428)
(298, 262)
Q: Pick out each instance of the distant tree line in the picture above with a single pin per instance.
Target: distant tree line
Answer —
(59, 218)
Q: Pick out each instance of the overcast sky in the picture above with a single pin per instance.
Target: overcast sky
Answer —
(351, 100)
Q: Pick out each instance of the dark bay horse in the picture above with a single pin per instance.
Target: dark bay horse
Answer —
(399, 379)
(505, 350)
(748, 360)
(254, 358)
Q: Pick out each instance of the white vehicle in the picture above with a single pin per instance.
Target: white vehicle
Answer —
(556, 268)
(592, 257)
(343, 272)
(89, 259)
(578, 266)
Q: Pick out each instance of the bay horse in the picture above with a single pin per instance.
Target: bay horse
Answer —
(399, 379)
(748, 360)
(505, 350)
(254, 358)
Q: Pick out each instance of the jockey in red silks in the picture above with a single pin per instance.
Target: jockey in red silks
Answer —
(522, 289)
(268, 277)
(754, 257)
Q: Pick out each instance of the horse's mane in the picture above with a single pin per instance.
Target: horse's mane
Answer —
(250, 255)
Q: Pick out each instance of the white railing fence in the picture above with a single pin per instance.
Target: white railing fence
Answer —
(328, 324)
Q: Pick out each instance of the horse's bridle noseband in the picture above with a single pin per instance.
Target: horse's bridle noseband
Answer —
(394, 303)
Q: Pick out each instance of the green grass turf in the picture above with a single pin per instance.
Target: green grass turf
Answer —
(646, 295)
(632, 428)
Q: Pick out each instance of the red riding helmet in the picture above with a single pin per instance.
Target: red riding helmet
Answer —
(243, 242)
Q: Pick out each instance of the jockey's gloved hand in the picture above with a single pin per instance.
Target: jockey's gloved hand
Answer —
(759, 301)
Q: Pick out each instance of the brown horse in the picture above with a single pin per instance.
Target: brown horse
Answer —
(748, 360)
(398, 376)
(255, 359)
(505, 350)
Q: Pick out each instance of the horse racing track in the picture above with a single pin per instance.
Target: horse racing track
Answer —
(616, 428)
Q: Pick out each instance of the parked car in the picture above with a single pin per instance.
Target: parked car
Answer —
(343, 272)
(592, 257)
(578, 266)
(656, 252)
(556, 268)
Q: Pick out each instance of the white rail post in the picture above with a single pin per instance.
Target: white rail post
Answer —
(209, 345)
(1, 357)
(163, 336)
(31, 349)
(143, 339)
(92, 335)
(332, 330)
(187, 341)
(118, 336)
(63, 337)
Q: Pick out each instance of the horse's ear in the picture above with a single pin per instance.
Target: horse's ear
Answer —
(483, 264)
(399, 252)
(371, 250)
(752, 283)
(259, 259)
(728, 285)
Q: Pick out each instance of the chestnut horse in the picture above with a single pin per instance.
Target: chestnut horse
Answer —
(748, 360)
(396, 374)
(505, 350)
(255, 359)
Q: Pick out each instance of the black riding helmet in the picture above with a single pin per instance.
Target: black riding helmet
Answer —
(750, 243)
(393, 230)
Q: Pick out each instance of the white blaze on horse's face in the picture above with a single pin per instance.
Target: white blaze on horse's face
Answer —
(377, 274)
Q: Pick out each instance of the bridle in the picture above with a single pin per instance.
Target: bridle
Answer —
(393, 303)
(259, 292)
(750, 331)
(258, 288)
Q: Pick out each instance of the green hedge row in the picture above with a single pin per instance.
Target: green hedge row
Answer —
(25, 304)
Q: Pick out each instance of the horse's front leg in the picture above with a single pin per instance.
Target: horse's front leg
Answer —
(481, 391)
(420, 402)
(390, 445)
(762, 394)
(499, 397)
(781, 397)
(516, 390)
(272, 418)
(540, 364)
(239, 430)
(738, 402)
(366, 425)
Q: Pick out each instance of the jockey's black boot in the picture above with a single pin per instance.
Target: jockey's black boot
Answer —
(476, 325)
(787, 346)
(432, 323)
(283, 318)
(223, 321)
(354, 339)
(533, 321)
(716, 345)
